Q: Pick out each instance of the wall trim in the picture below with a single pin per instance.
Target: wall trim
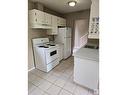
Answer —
(31, 69)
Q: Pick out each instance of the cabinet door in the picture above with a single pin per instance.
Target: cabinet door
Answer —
(61, 21)
(48, 18)
(32, 16)
(54, 30)
(54, 20)
(58, 21)
(36, 17)
(54, 25)
(40, 17)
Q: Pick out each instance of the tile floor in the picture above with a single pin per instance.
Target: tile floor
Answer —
(58, 81)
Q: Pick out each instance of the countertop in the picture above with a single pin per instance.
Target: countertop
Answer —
(87, 53)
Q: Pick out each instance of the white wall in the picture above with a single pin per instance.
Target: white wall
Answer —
(81, 29)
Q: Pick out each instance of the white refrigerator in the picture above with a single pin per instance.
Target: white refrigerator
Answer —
(64, 37)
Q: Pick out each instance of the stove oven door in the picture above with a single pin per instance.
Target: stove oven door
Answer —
(51, 55)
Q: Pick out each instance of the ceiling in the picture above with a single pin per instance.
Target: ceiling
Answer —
(61, 6)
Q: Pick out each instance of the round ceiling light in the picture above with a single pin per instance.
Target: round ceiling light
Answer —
(72, 3)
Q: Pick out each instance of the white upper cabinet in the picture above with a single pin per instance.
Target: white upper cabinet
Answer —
(48, 19)
(54, 30)
(61, 21)
(94, 20)
(39, 19)
(56, 21)
(36, 17)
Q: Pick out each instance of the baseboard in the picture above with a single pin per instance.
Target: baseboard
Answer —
(31, 69)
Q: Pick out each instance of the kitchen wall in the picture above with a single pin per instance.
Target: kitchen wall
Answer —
(72, 17)
(36, 33)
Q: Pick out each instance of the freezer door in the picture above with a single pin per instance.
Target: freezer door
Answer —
(60, 37)
(67, 47)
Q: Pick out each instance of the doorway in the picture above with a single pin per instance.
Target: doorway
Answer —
(80, 33)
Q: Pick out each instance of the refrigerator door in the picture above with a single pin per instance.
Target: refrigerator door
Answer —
(67, 31)
(62, 34)
(67, 47)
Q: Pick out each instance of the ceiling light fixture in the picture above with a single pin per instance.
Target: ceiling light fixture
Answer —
(72, 3)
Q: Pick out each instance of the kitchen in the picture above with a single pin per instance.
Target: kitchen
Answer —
(70, 34)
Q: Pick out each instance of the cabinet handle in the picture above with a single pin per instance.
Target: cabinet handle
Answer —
(35, 13)
(36, 19)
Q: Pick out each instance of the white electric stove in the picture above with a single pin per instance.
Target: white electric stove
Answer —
(45, 54)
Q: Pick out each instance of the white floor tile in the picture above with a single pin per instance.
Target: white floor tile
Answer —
(46, 75)
(64, 92)
(39, 73)
(80, 91)
(45, 85)
(52, 78)
(60, 82)
(66, 75)
(37, 91)
(38, 81)
(71, 79)
(68, 72)
(57, 73)
(31, 87)
(70, 87)
(31, 77)
(53, 90)
(35, 71)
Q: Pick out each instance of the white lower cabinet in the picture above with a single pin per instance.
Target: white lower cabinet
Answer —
(86, 72)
